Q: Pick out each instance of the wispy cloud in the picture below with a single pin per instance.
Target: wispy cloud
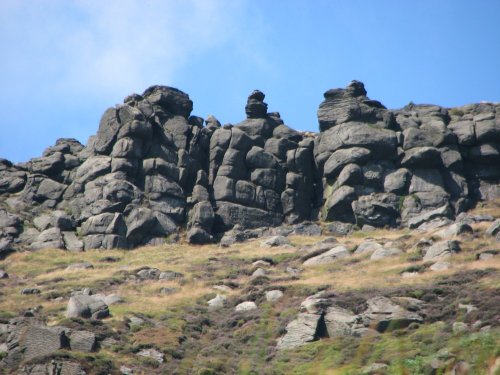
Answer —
(104, 46)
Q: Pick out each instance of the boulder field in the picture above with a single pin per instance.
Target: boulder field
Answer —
(153, 170)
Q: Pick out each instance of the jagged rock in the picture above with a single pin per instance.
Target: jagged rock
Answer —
(29, 340)
(386, 315)
(440, 266)
(84, 306)
(152, 168)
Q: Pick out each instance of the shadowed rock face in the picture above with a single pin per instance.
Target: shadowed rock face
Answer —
(153, 168)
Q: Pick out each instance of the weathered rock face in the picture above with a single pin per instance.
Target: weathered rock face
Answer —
(383, 167)
(153, 168)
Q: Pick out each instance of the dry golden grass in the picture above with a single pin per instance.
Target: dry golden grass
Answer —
(47, 270)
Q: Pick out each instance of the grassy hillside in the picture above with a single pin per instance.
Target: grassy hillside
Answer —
(174, 317)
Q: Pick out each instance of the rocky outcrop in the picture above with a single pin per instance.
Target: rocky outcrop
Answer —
(153, 168)
(320, 317)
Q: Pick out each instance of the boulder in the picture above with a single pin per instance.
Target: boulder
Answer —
(341, 322)
(83, 341)
(385, 315)
(377, 210)
(275, 241)
(48, 239)
(273, 295)
(30, 340)
(88, 307)
(217, 303)
(385, 252)
(340, 158)
(330, 256)
(368, 247)
(494, 228)
(440, 212)
(245, 306)
(338, 204)
(300, 331)
(152, 354)
(454, 230)
(441, 250)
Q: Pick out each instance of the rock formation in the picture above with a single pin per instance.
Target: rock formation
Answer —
(153, 168)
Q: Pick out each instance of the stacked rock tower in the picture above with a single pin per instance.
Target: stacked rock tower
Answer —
(153, 171)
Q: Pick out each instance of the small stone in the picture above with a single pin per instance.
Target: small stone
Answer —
(274, 295)
(375, 368)
(246, 306)
(153, 354)
(259, 272)
(440, 266)
(3, 274)
(126, 370)
(261, 263)
(368, 228)
(275, 241)
(135, 321)
(30, 291)
(217, 303)
(170, 275)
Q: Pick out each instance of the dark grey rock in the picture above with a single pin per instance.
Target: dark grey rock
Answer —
(377, 210)
(338, 204)
(339, 159)
(48, 239)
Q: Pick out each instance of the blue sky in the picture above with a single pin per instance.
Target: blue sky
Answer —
(63, 62)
